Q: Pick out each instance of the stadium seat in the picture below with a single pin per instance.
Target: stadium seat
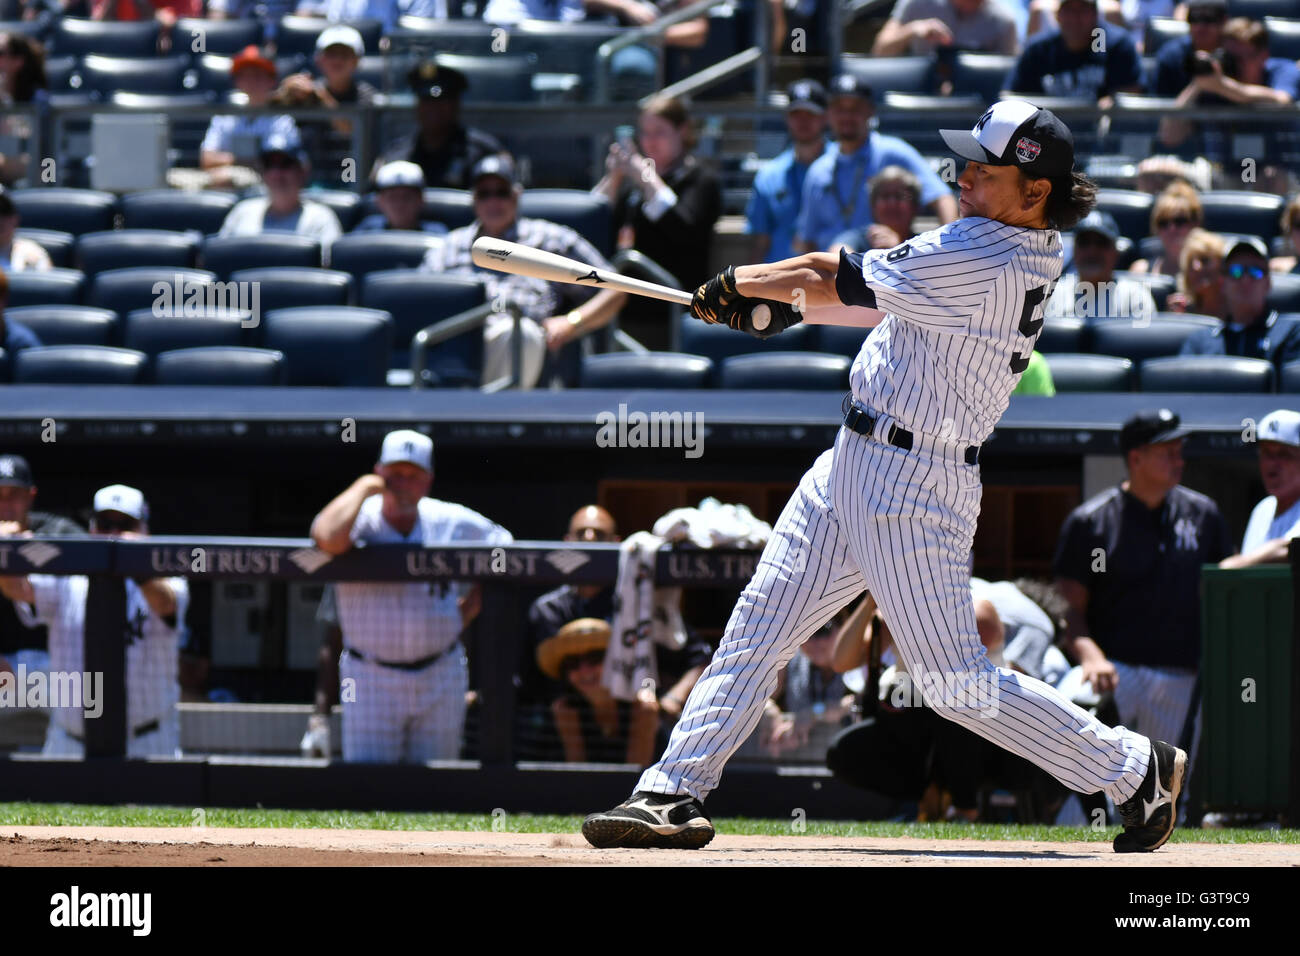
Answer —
(1259, 9)
(1284, 36)
(1089, 373)
(1200, 374)
(497, 78)
(51, 287)
(1131, 209)
(451, 207)
(287, 288)
(160, 101)
(346, 205)
(718, 342)
(1160, 30)
(796, 371)
(104, 38)
(892, 74)
(151, 334)
(1164, 335)
(127, 248)
(1242, 212)
(4, 366)
(625, 370)
(78, 365)
(67, 324)
(105, 75)
(56, 243)
(67, 210)
(426, 36)
(364, 252)
(982, 73)
(1284, 292)
(176, 210)
(419, 299)
(1061, 334)
(226, 254)
(1290, 381)
(125, 290)
(339, 347)
(1158, 285)
(589, 216)
(225, 37)
(837, 340)
(28, 28)
(220, 366)
(296, 36)
(58, 73)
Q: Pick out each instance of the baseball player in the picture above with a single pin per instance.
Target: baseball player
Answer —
(402, 656)
(155, 610)
(892, 506)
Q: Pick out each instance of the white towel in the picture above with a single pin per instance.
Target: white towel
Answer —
(643, 615)
(714, 525)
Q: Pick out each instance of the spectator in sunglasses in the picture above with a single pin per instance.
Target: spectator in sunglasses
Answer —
(1174, 214)
(1290, 229)
(555, 313)
(283, 209)
(1250, 328)
(592, 726)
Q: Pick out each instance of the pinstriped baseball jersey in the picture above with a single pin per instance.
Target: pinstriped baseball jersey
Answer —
(152, 650)
(964, 308)
(407, 621)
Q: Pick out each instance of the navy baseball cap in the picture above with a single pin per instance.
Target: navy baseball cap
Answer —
(1016, 133)
(1149, 428)
(15, 471)
(288, 143)
(1098, 222)
(846, 84)
(806, 95)
(432, 81)
(1250, 243)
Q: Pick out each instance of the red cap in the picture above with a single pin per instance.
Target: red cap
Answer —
(251, 56)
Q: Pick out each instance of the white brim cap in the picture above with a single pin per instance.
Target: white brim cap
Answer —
(409, 446)
(123, 498)
(1282, 426)
(340, 35)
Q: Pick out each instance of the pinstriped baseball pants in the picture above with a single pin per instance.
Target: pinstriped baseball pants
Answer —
(899, 523)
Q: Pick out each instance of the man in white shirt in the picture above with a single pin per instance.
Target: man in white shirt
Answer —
(403, 675)
(1276, 519)
(282, 209)
(155, 610)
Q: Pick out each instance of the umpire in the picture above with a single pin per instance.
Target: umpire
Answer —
(1129, 563)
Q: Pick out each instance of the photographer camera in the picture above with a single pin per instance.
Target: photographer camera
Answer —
(1238, 70)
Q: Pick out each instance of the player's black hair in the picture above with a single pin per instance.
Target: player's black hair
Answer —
(1072, 197)
(1045, 595)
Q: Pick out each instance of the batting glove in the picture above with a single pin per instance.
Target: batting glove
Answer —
(781, 316)
(711, 299)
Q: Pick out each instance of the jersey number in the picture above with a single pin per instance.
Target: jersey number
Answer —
(1029, 326)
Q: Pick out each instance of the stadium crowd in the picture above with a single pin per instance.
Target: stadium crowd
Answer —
(1187, 260)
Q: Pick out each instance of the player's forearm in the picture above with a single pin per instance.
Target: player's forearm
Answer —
(1271, 552)
(332, 528)
(806, 281)
(17, 589)
(160, 596)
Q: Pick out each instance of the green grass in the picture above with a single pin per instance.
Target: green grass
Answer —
(72, 814)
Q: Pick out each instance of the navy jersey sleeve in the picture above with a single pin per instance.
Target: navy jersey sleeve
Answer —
(1123, 65)
(1073, 559)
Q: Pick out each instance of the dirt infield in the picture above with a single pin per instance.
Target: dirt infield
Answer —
(144, 846)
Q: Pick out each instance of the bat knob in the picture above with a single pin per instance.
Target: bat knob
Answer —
(761, 316)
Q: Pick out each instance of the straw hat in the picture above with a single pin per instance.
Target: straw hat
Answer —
(577, 637)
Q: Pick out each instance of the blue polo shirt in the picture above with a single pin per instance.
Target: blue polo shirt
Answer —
(835, 190)
(774, 204)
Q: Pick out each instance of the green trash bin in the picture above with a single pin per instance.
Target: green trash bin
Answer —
(1248, 761)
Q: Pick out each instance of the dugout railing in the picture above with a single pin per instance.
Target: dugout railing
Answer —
(495, 777)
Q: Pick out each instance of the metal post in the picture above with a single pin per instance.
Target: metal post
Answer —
(497, 650)
(105, 654)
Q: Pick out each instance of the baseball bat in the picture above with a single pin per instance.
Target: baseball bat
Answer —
(503, 256)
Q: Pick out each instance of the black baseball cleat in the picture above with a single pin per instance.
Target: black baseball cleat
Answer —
(673, 821)
(1149, 816)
